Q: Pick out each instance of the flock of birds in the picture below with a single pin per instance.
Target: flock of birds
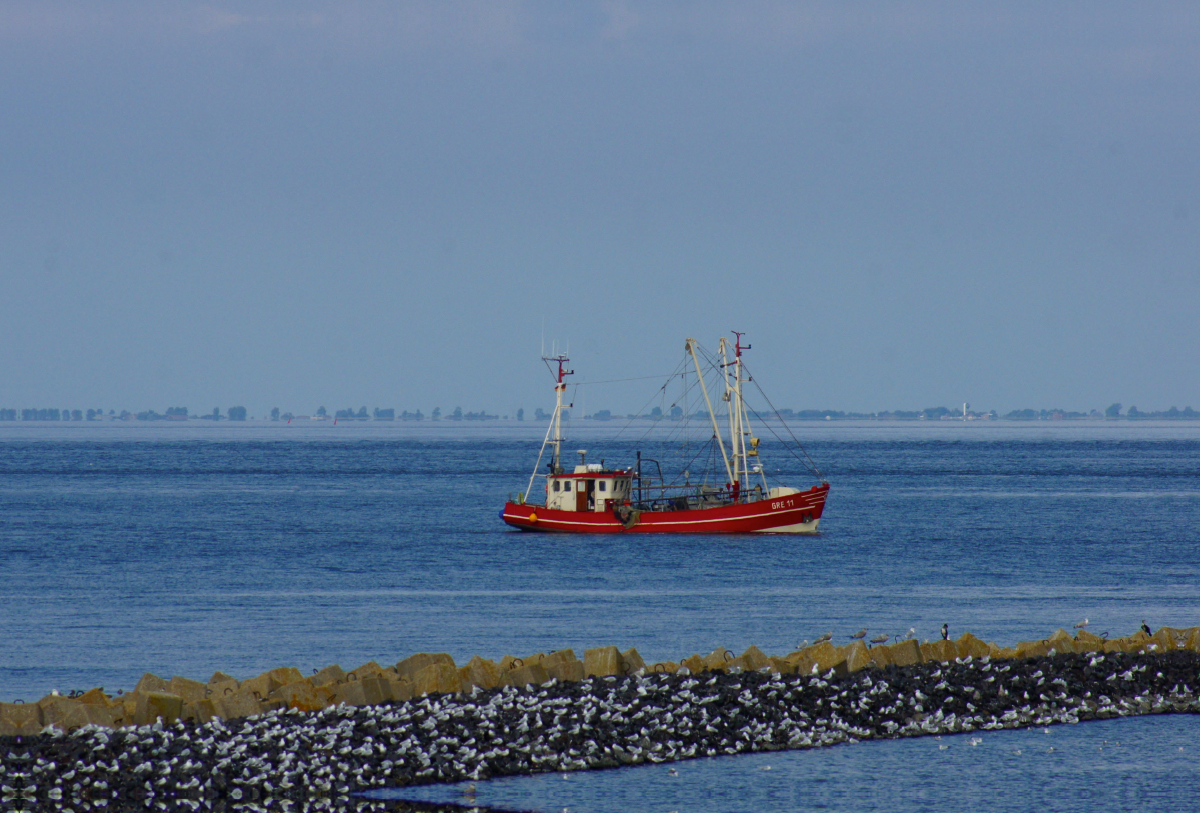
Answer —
(883, 638)
(879, 639)
(569, 726)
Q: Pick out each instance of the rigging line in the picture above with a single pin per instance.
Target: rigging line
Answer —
(619, 380)
(714, 366)
(688, 466)
(682, 428)
(716, 369)
(547, 361)
(655, 425)
(637, 414)
(807, 463)
(812, 466)
(677, 428)
(687, 388)
(791, 451)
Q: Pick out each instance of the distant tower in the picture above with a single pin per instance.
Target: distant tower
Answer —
(966, 406)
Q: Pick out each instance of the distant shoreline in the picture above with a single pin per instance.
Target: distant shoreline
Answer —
(237, 415)
(577, 425)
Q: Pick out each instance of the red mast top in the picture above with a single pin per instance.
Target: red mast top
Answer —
(738, 344)
(561, 372)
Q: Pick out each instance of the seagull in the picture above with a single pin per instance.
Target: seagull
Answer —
(862, 633)
(1145, 628)
(1082, 624)
(880, 639)
(826, 637)
(945, 632)
(912, 633)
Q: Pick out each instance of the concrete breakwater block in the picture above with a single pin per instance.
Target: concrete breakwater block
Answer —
(410, 666)
(305, 695)
(64, 713)
(330, 674)
(18, 719)
(905, 653)
(323, 757)
(479, 672)
(440, 677)
(603, 661)
(368, 691)
(425, 674)
(189, 690)
(152, 706)
(563, 665)
(531, 673)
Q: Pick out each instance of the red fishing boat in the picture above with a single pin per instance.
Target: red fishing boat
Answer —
(737, 498)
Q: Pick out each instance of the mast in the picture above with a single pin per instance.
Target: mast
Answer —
(744, 417)
(731, 398)
(737, 390)
(738, 420)
(559, 388)
(555, 428)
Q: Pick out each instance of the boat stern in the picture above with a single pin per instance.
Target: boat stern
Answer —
(521, 515)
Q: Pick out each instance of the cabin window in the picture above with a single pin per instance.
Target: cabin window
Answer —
(603, 486)
(556, 485)
(582, 485)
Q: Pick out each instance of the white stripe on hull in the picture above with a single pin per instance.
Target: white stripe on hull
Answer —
(798, 528)
(809, 527)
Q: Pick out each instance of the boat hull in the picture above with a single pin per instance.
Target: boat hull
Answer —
(798, 513)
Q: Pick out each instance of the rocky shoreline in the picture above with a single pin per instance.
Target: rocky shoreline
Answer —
(293, 759)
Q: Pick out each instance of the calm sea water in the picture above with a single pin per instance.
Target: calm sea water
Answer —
(186, 549)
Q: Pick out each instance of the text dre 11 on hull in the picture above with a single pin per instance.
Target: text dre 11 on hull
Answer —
(733, 495)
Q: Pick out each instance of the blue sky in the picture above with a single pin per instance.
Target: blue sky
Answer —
(348, 203)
